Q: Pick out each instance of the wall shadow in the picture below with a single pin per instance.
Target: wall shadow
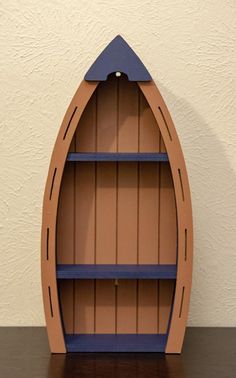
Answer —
(212, 182)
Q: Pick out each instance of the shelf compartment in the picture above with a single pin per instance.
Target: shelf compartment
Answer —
(116, 343)
(82, 271)
(123, 156)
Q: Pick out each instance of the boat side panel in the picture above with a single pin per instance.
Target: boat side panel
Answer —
(167, 241)
(184, 217)
(49, 219)
(65, 243)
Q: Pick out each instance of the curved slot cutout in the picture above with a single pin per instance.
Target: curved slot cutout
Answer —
(53, 179)
(163, 117)
(47, 244)
(185, 244)
(181, 303)
(181, 183)
(66, 131)
(50, 300)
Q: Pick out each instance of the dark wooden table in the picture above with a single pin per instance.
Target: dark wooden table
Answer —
(207, 353)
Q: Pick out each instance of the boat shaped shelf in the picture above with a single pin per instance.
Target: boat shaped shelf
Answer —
(117, 218)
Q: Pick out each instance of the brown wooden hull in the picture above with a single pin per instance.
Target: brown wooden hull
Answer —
(136, 213)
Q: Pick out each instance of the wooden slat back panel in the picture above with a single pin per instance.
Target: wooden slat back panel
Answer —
(127, 203)
(84, 306)
(106, 193)
(85, 219)
(148, 218)
(105, 307)
(106, 174)
(107, 97)
(147, 309)
(119, 213)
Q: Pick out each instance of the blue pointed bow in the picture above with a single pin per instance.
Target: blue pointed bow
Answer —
(118, 57)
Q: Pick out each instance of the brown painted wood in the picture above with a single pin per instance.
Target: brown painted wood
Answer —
(84, 245)
(126, 306)
(167, 240)
(107, 99)
(148, 218)
(65, 244)
(84, 306)
(148, 236)
(49, 217)
(106, 213)
(127, 203)
(84, 220)
(85, 214)
(184, 216)
(126, 213)
(105, 307)
(147, 320)
(106, 195)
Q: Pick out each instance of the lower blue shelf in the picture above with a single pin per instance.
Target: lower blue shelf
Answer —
(117, 156)
(80, 271)
(116, 343)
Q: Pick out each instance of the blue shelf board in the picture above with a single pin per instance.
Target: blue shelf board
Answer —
(116, 343)
(83, 271)
(117, 156)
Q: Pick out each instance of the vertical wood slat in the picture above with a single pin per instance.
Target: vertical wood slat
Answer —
(127, 213)
(148, 238)
(126, 306)
(84, 306)
(147, 306)
(85, 219)
(106, 213)
(106, 193)
(168, 241)
(105, 307)
(127, 203)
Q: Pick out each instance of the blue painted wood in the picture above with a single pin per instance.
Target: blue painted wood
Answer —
(120, 156)
(83, 271)
(116, 343)
(118, 57)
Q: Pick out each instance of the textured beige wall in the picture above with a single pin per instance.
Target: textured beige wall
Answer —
(189, 49)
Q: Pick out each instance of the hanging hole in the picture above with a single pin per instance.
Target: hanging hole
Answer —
(118, 74)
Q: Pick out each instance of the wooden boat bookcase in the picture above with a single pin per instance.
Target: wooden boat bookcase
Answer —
(117, 218)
